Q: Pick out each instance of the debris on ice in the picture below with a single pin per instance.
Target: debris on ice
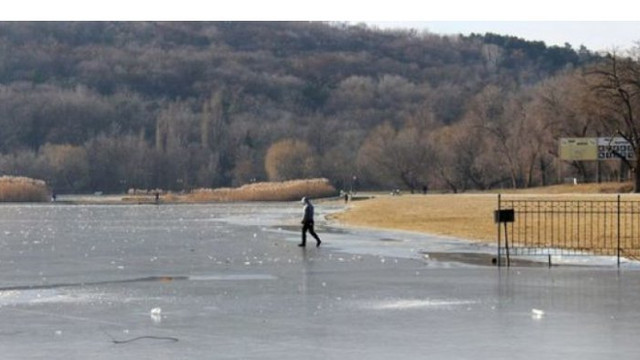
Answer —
(537, 314)
(156, 315)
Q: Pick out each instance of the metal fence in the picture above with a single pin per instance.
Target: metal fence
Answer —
(607, 227)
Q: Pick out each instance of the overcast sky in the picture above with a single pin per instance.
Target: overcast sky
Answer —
(597, 25)
(595, 35)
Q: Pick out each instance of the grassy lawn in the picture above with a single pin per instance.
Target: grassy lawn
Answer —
(467, 216)
(460, 215)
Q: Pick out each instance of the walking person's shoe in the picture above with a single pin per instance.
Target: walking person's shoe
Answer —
(318, 243)
(301, 245)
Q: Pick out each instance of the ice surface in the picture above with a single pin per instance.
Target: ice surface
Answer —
(229, 282)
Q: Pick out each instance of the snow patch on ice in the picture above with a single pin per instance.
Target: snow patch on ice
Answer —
(404, 304)
(156, 315)
(44, 296)
(537, 314)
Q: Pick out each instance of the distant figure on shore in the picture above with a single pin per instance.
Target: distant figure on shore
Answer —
(157, 197)
(54, 196)
(307, 223)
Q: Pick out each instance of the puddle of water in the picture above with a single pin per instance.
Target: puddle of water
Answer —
(319, 228)
(477, 259)
(390, 240)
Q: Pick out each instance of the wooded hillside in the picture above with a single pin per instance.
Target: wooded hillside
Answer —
(107, 106)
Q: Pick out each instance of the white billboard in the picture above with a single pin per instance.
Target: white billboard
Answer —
(578, 149)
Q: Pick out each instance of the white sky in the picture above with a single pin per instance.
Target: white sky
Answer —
(597, 25)
(595, 35)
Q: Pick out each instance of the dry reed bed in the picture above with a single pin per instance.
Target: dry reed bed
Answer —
(263, 191)
(23, 189)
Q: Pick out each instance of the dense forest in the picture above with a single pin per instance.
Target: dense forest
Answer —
(109, 106)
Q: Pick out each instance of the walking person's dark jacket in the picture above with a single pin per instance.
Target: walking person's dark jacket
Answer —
(307, 223)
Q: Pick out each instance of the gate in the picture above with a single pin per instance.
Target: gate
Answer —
(607, 227)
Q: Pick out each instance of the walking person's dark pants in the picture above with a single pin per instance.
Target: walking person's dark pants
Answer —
(308, 226)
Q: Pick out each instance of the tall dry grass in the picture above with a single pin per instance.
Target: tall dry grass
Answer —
(264, 191)
(23, 189)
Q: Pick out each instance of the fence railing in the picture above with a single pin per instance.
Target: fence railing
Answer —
(608, 227)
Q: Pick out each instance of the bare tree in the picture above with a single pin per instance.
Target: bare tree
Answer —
(68, 165)
(464, 159)
(618, 85)
(289, 159)
(396, 156)
(564, 106)
(494, 113)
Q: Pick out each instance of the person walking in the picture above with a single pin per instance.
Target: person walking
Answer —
(307, 223)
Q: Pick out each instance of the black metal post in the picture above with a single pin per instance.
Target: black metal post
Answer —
(499, 262)
(506, 243)
(618, 230)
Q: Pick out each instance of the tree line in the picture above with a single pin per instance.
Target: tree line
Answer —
(108, 106)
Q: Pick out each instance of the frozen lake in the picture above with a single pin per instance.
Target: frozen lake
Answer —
(229, 282)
